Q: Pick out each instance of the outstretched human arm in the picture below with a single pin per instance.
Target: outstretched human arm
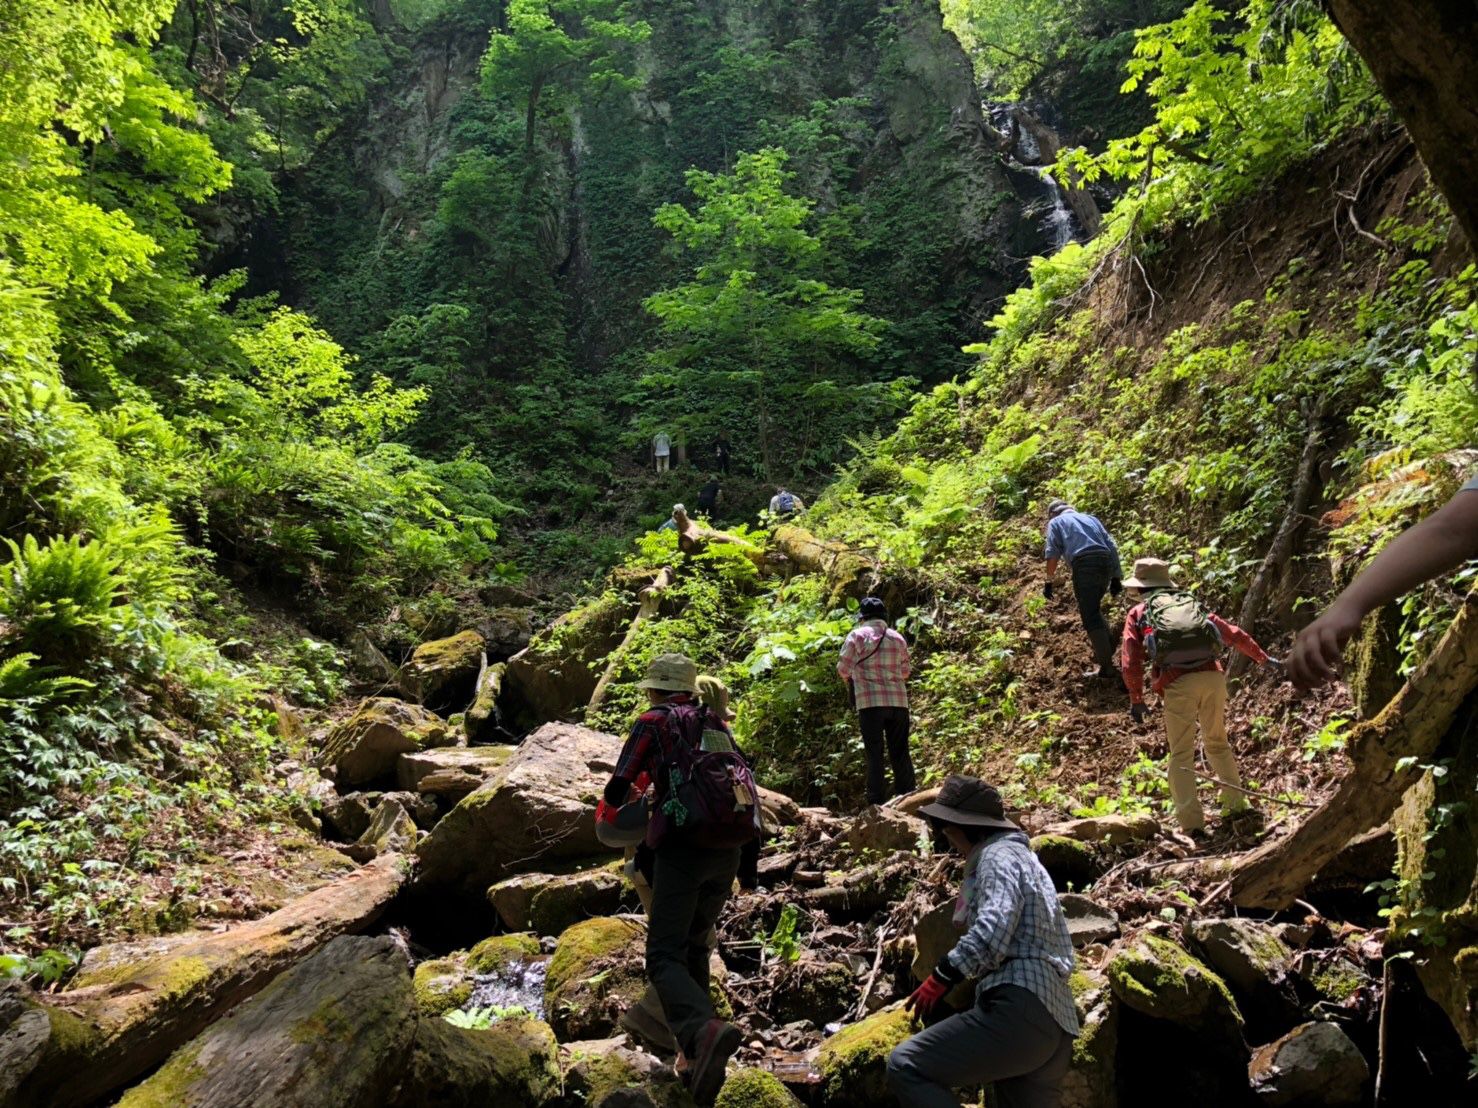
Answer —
(1440, 543)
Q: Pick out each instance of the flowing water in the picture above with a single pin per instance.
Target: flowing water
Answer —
(517, 985)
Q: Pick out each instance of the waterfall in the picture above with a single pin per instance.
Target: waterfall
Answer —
(1059, 222)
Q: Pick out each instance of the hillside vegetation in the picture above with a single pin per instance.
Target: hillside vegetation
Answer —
(332, 338)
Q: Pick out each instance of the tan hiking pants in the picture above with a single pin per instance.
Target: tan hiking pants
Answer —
(1192, 700)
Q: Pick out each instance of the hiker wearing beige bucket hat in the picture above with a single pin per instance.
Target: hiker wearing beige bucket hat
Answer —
(1018, 1035)
(1183, 641)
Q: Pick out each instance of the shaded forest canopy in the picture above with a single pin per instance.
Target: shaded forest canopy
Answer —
(330, 329)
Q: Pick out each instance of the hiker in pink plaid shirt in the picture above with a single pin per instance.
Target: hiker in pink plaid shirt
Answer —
(875, 666)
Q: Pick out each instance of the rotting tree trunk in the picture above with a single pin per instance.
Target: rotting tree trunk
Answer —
(1424, 56)
(131, 1005)
(693, 538)
(1410, 726)
(1305, 486)
(648, 601)
(847, 572)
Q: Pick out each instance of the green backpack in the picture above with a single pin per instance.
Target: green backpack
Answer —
(1178, 629)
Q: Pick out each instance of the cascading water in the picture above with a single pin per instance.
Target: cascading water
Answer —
(516, 985)
(1059, 222)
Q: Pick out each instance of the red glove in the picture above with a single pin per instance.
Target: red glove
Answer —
(923, 999)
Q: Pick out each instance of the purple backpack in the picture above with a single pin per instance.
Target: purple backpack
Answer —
(709, 797)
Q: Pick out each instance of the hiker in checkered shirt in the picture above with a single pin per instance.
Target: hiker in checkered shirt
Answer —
(875, 666)
(1018, 1035)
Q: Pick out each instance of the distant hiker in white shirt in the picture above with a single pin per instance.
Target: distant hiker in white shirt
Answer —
(661, 450)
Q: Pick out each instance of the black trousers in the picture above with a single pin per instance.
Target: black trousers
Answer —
(878, 725)
(689, 887)
(1092, 573)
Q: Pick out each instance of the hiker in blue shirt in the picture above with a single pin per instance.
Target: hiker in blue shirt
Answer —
(1093, 559)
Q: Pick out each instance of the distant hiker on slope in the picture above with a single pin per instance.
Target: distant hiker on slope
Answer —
(1183, 641)
(1437, 545)
(625, 827)
(721, 453)
(875, 666)
(1018, 1036)
(661, 450)
(1093, 560)
(786, 503)
(704, 808)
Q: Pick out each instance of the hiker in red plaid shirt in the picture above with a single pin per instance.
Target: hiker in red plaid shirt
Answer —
(875, 666)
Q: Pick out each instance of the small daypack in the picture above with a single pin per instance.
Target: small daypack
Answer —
(787, 503)
(710, 797)
(1178, 630)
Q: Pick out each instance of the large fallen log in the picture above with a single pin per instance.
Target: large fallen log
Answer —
(1384, 754)
(648, 600)
(131, 1004)
(847, 572)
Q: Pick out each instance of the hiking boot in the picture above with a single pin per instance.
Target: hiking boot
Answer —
(1197, 836)
(717, 1043)
(641, 1024)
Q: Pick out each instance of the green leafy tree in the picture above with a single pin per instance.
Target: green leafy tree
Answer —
(553, 46)
(756, 332)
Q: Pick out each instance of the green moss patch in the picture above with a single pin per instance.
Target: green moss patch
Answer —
(853, 1063)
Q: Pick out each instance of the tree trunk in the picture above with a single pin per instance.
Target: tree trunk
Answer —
(1411, 726)
(847, 572)
(1305, 486)
(1424, 55)
(648, 600)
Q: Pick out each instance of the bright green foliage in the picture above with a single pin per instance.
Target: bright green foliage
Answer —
(1236, 101)
(755, 328)
(553, 46)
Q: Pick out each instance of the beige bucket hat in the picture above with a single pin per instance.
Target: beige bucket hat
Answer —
(671, 673)
(1150, 573)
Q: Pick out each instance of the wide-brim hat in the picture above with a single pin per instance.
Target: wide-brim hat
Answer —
(628, 828)
(968, 801)
(1150, 573)
(671, 673)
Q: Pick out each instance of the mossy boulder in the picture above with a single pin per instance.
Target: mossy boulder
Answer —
(364, 747)
(498, 953)
(547, 903)
(853, 1063)
(815, 990)
(1157, 978)
(1071, 863)
(442, 674)
(597, 972)
(886, 830)
(333, 1030)
(391, 830)
(556, 673)
(442, 985)
(1253, 960)
(935, 936)
(481, 720)
(606, 1073)
(1089, 1081)
(512, 1062)
(539, 805)
(751, 1088)
(25, 1032)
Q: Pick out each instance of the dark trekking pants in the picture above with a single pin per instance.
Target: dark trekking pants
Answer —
(689, 887)
(891, 724)
(1092, 573)
(1007, 1039)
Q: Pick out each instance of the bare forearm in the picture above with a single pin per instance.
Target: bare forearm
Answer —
(1436, 545)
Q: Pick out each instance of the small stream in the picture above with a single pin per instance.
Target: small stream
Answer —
(517, 985)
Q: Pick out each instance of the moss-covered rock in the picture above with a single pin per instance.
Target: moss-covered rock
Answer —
(331, 1030)
(597, 972)
(512, 1062)
(442, 674)
(814, 990)
(1071, 864)
(853, 1063)
(442, 985)
(606, 1073)
(1089, 1081)
(752, 1088)
(493, 955)
(481, 720)
(1156, 977)
(1253, 960)
(364, 747)
(547, 903)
